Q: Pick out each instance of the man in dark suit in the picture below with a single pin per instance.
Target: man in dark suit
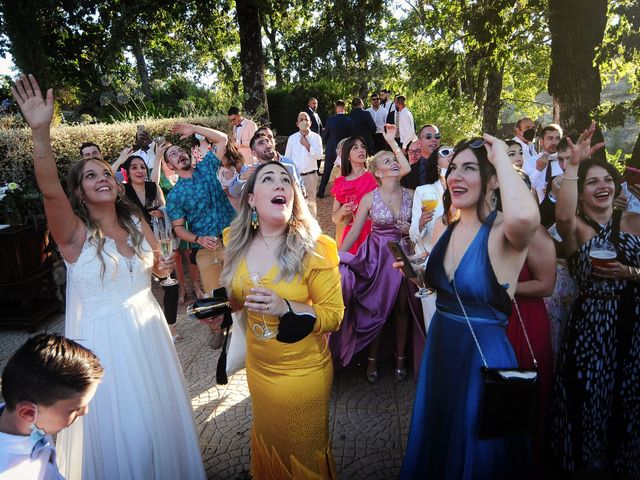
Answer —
(339, 126)
(316, 123)
(429, 139)
(363, 123)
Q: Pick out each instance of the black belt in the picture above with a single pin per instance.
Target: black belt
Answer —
(308, 173)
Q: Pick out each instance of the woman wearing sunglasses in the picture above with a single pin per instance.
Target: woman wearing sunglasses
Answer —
(474, 269)
(427, 206)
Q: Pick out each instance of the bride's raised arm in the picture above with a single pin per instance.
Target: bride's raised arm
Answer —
(67, 229)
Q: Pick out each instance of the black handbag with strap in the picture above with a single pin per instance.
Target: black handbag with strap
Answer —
(509, 404)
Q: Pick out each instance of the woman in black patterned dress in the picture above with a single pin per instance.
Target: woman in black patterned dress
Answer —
(595, 426)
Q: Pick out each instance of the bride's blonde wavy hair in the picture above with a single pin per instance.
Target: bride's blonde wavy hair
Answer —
(125, 211)
(302, 233)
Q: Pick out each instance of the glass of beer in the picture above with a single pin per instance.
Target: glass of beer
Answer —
(601, 253)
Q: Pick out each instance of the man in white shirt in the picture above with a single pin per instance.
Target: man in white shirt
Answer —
(404, 122)
(145, 148)
(243, 131)
(525, 131)
(546, 165)
(305, 148)
(379, 115)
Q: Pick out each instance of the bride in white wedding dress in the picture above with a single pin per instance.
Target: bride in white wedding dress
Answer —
(140, 425)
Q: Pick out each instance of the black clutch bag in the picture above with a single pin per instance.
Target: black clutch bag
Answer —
(208, 307)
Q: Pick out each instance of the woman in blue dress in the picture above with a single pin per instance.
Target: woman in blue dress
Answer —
(479, 254)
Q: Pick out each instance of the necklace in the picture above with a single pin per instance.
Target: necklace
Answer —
(394, 194)
(274, 240)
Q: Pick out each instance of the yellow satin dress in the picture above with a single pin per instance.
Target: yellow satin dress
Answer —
(290, 383)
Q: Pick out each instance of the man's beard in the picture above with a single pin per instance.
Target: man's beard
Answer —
(186, 167)
(268, 157)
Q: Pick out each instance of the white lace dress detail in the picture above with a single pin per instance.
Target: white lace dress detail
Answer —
(140, 424)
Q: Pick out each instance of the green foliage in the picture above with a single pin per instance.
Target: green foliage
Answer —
(19, 206)
(16, 164)
(455, 117)
(286, 103)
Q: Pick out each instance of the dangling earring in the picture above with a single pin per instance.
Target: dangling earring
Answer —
(494, 201)
(254, 218)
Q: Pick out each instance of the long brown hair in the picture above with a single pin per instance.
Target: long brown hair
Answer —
(345, 163)
(126, 211)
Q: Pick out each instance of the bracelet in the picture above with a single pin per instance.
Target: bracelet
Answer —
(573, 179)
(195, 240)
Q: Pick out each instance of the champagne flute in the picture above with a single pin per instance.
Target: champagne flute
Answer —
(260, 330)
(216, 247)
(400, 221)
(417, 256)
(164, 235)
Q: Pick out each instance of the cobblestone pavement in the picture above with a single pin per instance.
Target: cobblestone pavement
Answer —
(369, 423)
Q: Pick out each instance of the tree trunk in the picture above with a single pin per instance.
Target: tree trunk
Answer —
(635, 155)
(362, 51)
(24, 25)
(492, 103)
(574, 79)
(252, 59)
(270, 31)
(141, 65)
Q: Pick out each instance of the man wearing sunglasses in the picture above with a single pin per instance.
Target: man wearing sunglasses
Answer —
(429, 140)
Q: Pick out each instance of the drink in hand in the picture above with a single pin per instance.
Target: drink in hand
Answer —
(600, 258)
(429, 204)
(166, 248)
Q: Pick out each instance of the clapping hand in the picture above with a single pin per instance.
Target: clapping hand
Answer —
(37, 111)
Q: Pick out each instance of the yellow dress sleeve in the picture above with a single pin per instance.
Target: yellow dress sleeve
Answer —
(323, 281)
(225, 235)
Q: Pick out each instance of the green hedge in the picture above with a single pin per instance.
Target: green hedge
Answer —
(16, 163)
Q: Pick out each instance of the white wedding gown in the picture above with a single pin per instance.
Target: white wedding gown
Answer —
(140, 424)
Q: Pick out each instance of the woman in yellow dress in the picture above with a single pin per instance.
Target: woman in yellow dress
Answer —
(281, 268)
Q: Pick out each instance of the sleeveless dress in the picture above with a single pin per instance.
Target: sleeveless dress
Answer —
(359, 187)
(140, 424)
(443, 439)
(596, 406)
(370, 287)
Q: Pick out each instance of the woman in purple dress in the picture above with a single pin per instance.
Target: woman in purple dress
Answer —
(372, 290)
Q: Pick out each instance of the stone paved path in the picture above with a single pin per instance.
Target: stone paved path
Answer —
(369, 423)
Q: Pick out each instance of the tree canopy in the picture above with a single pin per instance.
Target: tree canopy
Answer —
(485, 62)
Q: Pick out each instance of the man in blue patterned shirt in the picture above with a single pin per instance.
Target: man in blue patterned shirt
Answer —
(199, 200)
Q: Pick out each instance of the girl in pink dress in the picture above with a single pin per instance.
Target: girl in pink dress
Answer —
(349, 189)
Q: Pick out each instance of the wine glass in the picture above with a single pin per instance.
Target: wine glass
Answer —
(600, 254)
(260, 330)
(164, 235)
(429, 201)
(417, 256)
(216, 248)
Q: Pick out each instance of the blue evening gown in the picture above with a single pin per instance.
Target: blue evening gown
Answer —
(443, 440)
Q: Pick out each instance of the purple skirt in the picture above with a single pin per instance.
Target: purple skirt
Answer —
(370, 286)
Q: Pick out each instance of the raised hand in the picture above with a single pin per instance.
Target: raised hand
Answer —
(389, 133)
(582, 150)
(184, 129)
(37, 111)
(495, 148)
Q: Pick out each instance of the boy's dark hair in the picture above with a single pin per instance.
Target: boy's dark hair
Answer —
(233, 111)
(88, 144)
(47, 369)
(255, 138)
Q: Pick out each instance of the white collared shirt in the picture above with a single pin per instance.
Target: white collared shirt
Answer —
(305, 160)
(237, 132)
(538, 178)
(149, 156)
(379, 117)
(406, 127)
(19, 460)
